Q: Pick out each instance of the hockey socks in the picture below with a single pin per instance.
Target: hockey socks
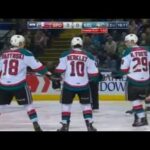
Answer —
(87, 112)
(33, 117)
(65, 117)
(140, 118)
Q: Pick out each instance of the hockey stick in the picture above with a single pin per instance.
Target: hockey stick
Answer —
(51, 77)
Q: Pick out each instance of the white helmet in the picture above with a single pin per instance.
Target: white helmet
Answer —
(15, 40)
(131, 37)
(76, 40)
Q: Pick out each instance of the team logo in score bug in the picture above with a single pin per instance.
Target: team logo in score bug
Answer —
(32, 25)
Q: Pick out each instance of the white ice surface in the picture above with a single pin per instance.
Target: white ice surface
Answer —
(110, 117)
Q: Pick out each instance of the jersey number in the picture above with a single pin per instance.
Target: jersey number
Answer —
(77, 68)
(12, 66)
(140, 61)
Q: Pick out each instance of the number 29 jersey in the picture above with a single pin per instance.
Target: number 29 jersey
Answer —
(135, 62)
(77, 66)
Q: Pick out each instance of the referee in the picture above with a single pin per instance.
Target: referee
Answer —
(94, 88)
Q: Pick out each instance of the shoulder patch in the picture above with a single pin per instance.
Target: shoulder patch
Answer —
(90, 55)
(126, 52)
(65, 53)
(147, 48)
(26, 52)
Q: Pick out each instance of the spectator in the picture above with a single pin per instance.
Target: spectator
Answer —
(143, 39)
(110, 46)
(28, 37)
(39, 43)
(148, 36)
(133, 27)
(87, 41)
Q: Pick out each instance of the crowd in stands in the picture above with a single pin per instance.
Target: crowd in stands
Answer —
(36, 40)
(107, 48)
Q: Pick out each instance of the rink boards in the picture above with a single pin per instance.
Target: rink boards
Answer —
(109, 88)
(57, 97)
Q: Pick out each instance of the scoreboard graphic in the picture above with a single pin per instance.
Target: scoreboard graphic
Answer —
(86, 27)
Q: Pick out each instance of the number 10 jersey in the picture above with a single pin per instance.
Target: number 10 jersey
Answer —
(78, 66)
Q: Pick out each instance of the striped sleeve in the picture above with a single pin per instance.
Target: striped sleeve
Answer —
(61, 66)
(35, 64)
(91, 68)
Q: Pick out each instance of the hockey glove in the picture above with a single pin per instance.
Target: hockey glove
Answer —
(117, 74)
(55, 78)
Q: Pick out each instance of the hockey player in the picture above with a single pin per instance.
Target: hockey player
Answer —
(135, 63)
(13, 68)
(147, 103)
(94, 88)
(77, 66)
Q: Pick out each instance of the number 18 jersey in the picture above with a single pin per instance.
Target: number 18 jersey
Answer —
(13, 67)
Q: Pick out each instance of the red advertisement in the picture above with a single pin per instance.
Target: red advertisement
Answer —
(52, 25)
(95, 30)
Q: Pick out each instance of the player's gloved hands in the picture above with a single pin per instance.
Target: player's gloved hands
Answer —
(55, 78)
(101, 77)
(116, 74)
(56, 84)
